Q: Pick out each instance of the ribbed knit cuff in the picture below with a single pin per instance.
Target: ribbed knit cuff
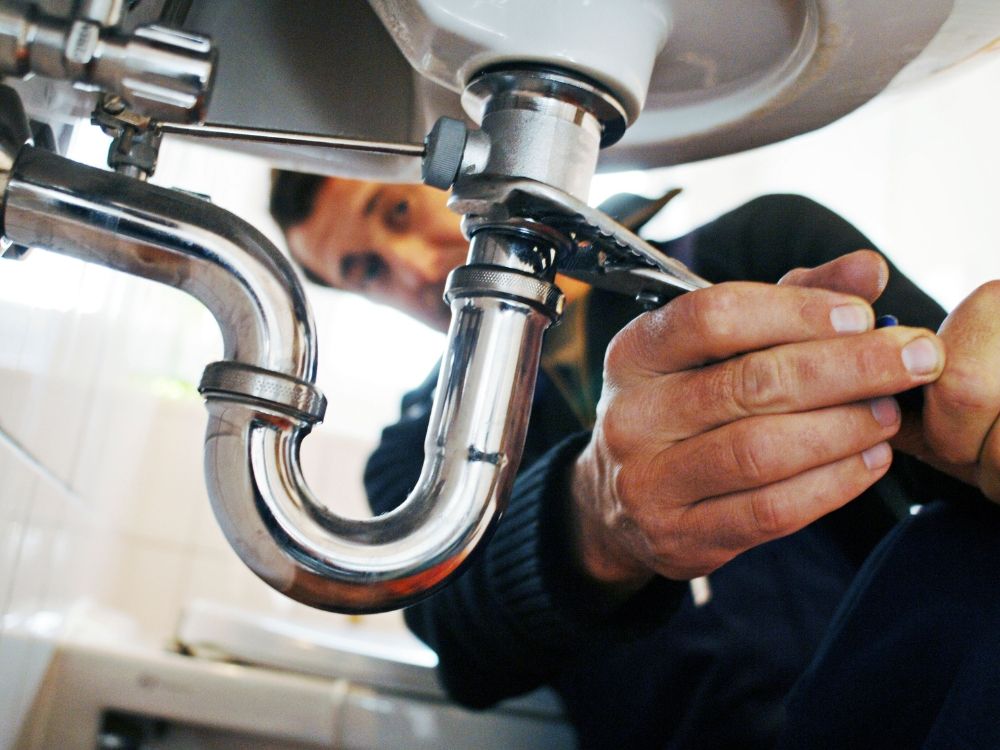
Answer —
(532, 568)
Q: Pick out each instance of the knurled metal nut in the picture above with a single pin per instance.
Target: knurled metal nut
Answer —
(271, 388)
(81, 42)
(469, 281)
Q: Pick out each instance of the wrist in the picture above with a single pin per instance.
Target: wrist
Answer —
(599, 549)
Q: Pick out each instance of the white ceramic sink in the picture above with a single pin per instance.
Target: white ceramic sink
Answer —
(699, 79)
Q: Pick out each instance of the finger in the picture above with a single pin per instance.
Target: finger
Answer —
(743, 520)
(962, 406)
(863, 273)
(763, 450)
(792, 378)
(716, 323)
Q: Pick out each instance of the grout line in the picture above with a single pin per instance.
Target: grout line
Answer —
(33, 462)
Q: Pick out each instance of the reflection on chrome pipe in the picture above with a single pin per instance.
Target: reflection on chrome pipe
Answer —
(261, 400)
(170, 237)
(472, 451)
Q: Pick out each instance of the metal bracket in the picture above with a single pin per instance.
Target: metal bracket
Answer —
(135, 144)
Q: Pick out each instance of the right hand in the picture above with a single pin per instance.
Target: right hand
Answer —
(738, 414)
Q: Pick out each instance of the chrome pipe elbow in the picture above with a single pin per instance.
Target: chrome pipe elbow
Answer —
(262, 401)
(472, 450)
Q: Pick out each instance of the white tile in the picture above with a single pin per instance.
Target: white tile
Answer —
(11, 539)
(54, 503)
(55, 429)
(206, 534)
(16, 482)
(28, 658)
(17, 487)
(13, 330)
(108, 474)
(86, 565)
(145, 584)
(31, 575)
(15, 385)
(333, 464)
(211, 576)
(171, 468)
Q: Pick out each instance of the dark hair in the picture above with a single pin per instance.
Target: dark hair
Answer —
(293, 195)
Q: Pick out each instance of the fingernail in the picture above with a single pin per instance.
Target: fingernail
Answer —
(920, 356)
(877, 456)
(885, 411)
(850, 319)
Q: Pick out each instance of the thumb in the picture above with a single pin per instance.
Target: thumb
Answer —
(863, 273)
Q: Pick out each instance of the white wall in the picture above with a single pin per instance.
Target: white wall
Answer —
(101, 497)
(917, 171)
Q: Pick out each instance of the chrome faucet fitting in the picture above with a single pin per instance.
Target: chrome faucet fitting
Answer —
(160, 72)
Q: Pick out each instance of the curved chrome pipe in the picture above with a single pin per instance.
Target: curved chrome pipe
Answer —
(171, 237)
(472, 451)
(276, 525)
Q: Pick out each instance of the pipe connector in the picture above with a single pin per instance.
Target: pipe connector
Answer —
(503, 283)
(263, 389)
(163, 73)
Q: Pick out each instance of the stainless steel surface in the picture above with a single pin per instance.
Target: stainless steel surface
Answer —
(258, 135)
(316, 66)
(551, 126)
(15, 132)
(475, 281)
(548, 90)
(160, 72)
(103, 12)
(263, 388)
(472, 451)
(173, 238)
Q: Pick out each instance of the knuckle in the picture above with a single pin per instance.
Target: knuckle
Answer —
(750, 456)
(617, 430)
(762, 382)
(639, 345)
(871, 366)
(628, 481)
(765, 516)
(713, 314)
(621, 352)
(965, 386)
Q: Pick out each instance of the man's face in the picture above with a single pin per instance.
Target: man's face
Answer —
(393, 243)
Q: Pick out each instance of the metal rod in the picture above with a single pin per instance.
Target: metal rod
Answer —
(233, 133)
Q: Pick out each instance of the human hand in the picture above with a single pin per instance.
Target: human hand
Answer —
(738, 414)
(958, 430)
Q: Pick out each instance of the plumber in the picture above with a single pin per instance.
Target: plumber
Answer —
(704, 484)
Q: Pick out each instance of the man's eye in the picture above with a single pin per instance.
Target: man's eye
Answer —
(397, 216)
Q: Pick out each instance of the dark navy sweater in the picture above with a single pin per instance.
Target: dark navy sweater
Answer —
(657, 671)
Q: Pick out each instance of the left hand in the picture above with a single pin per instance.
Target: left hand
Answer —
(959, 430)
